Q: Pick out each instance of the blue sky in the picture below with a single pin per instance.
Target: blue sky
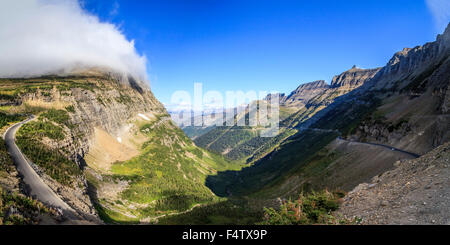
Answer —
(264, 45)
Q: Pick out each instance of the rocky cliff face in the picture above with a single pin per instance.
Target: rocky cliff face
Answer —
(343, 84)
(353, 78)
(319, 93)
(304, 93)
(411, 63)
(411, 59)
(104, 102)
(414, 88)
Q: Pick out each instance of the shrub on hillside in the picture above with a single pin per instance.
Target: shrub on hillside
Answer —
(55, 164)
(313, 208)
(16, 209)
(58, 116)
(5, 119)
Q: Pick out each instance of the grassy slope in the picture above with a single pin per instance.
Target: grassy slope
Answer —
(194, 132)
(247, 190)
(225, 212)
(167, 177)
(271, 169)
(52, 161)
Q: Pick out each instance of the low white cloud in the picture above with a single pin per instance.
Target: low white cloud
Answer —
(440, 9)
(38, 37)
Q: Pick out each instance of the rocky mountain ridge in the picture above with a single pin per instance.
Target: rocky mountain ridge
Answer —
(304, 93)
(412, 63)
(353, 78)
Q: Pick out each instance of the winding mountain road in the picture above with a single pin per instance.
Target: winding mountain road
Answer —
(384, 146)
(363, 143)
(414, 155)
(35, 185)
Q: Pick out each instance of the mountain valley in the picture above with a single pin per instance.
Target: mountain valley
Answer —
(103, 144)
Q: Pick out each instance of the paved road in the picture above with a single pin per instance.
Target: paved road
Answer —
(365, 143)
(36, 187)
(384, 146)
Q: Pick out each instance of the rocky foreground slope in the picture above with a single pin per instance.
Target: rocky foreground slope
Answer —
(415, 192)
